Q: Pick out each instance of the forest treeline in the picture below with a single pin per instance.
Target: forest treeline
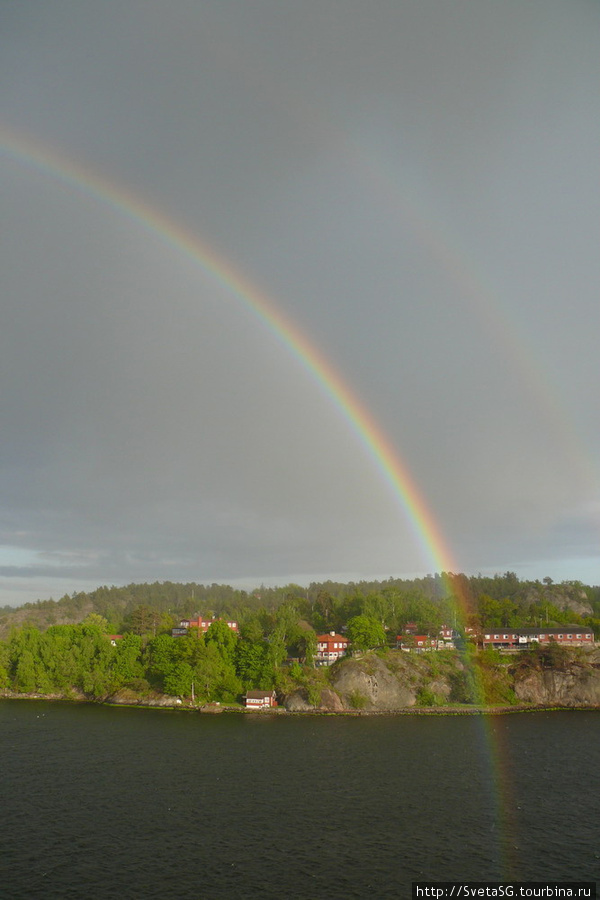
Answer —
(65, 646)
(494, 601)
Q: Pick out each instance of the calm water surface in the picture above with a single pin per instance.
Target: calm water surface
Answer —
(99, 802)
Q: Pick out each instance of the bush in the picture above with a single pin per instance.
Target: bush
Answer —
(357, 700)
(545, 656)
(313, 692)
(426, 697)
(491, 658)
(296, 671)
(464, 689)
(554, 656)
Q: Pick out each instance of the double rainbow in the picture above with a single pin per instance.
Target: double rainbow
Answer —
(224, 274)
(221, 272)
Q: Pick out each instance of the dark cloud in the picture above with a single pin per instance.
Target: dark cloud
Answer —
(415, 185)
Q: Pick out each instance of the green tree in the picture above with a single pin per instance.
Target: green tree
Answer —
(25, 660)
(215, 677)
(99, 621)
(178, 680)
(323, 609)
(220, 635)
(4, 665)
(251, 630)
(490, 612)
(160, 658)
(307, 646)
(254, 665)
(144, 620)
(126, 663)
(95, 654)
(56, 650)
(25, 680)
(365, 633)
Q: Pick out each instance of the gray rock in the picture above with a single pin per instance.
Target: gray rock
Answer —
(440, 689)
(574, 687)
(331, 701)
(370, 683)
(297, 702)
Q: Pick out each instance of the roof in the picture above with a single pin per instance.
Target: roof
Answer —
(414, 637)
(259, 695)
(529, 632)
(331, 637)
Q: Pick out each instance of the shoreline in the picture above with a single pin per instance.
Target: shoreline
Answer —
(214, 709)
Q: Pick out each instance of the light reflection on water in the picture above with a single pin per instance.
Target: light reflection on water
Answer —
(101, 802)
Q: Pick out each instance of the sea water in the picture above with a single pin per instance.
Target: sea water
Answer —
(101, 802)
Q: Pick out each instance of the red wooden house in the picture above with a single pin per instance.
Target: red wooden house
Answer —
(260, 699)
(509, 638)
(204, 624)
(418, 642)
(330, 647)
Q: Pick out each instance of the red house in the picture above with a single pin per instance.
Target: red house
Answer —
(418, 642)
(260, 699)
(509, 638)
(204, 624)
(330, 647)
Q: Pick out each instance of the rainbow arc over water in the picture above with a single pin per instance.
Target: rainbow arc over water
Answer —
(26, 151)
(223, 273)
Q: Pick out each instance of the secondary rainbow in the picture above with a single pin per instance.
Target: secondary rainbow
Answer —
(26, 151)
(476, 293)
(222, 272)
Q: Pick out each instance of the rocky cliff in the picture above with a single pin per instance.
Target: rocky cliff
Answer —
(562, 596)
(575, 682)
(370, 684)
(398, 681)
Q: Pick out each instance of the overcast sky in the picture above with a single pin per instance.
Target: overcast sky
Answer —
(415, 185)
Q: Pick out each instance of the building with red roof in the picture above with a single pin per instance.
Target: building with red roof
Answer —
(260, 699)
(330, 648)
(204, 624)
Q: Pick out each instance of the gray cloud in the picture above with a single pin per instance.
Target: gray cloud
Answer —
(416, 187)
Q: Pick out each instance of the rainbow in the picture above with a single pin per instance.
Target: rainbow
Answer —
(478, 296)
(222, 273)
(483, 304)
